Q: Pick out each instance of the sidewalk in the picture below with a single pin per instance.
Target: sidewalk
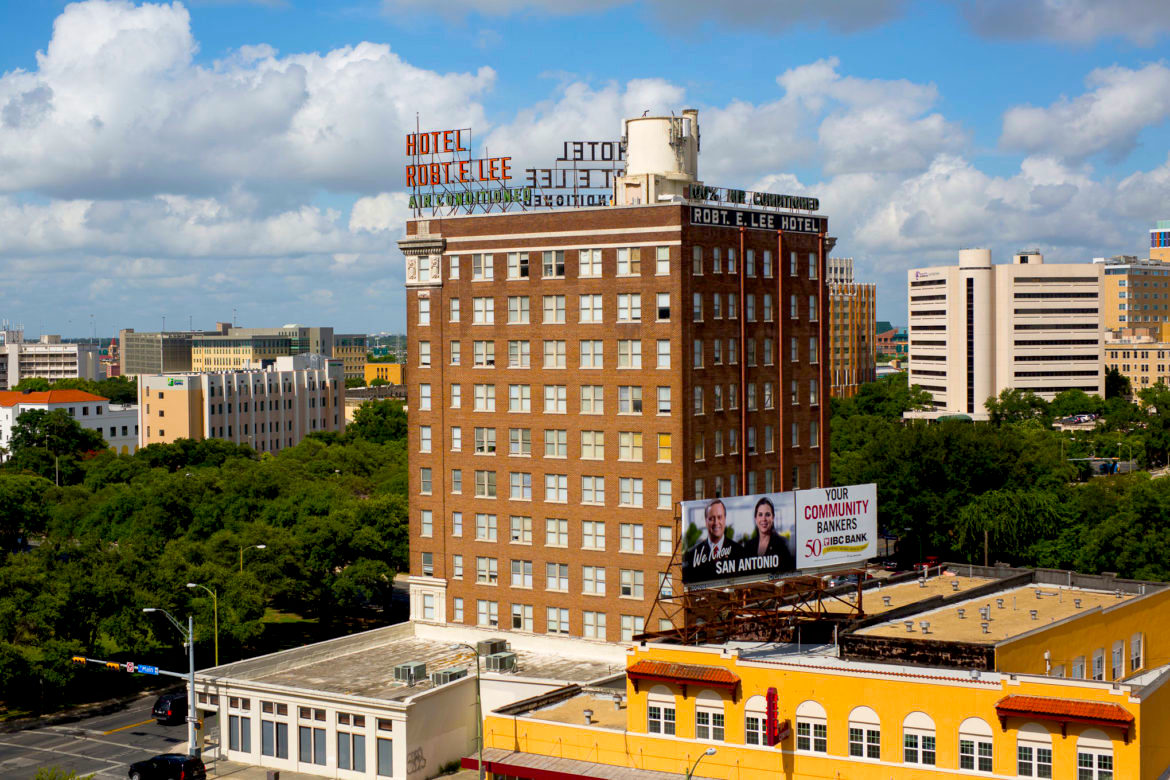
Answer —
(238, 771)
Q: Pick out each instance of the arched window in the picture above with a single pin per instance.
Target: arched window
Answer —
(1094, 756)
(865, 733)
(660, 710)
(755, 716)
(918, 739)
(975, 746)
(709, 716)
(1033, 751)
(812, 728)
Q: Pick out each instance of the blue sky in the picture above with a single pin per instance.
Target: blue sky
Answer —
(187, 160)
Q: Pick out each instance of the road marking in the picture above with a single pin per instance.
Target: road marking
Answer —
(61, 752)
(123, 728)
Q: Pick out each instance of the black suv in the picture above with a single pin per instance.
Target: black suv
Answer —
(169, 766)
(170, 708)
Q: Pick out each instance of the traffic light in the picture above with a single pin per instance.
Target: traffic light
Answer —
(79, 659)
(117, 667)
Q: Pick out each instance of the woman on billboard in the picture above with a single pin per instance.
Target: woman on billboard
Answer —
(765, 540)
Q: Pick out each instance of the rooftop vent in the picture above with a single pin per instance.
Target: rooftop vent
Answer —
(1077, 603)
(1038, 593)
(922, 582)
(986, 627)
(962, 614)
(410, 672)
(985, 612)
(909, 626)
(886, 600)
(447, 675)
(999, 603)
(1034, 613)
(501, 662)
(955, 585)
(1118, 593)
(588, 717)
(491, 646)
(925, 626)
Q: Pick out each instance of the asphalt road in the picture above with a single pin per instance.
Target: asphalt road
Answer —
(104, 745)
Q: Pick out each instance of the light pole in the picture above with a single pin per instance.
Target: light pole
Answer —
(215, 614)
(478, 707)
(189, 639)
(251, 547)
(708, 752)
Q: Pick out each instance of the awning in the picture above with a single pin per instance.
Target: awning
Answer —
(533, 767)
(1065, 711)
(683, 675)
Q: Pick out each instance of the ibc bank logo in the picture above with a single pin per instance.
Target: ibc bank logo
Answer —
(923, 274)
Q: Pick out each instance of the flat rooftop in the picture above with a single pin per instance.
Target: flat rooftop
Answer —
(607, 711)
(1013, 612)
(363, 664)
(901, 594)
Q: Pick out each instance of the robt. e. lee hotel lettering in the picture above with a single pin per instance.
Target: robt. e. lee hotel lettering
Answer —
(758, 220)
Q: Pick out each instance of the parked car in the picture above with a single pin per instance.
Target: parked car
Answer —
(169, 766)
(170, 708)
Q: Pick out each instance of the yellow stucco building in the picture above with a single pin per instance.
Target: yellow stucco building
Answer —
(391, 372)
(993, 673)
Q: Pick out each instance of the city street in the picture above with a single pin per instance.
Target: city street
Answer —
(104, 745)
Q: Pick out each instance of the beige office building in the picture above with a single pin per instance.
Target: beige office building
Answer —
(1136, 291)
(269, 409)
(1141, 354)
(47, 358)
(351, 348)
(852, 329)
(978, 328)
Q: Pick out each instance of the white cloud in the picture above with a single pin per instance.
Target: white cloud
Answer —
(1108, 118)
(1076, 21)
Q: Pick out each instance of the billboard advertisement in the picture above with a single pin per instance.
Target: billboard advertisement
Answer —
(772, 535)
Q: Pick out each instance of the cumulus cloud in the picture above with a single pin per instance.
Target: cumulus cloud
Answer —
(1120, 104)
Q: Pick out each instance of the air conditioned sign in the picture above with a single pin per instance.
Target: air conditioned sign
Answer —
(757, 220)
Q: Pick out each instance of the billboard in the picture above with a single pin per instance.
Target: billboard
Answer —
(772, 535)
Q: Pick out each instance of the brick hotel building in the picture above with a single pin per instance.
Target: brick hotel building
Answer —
(577, 373)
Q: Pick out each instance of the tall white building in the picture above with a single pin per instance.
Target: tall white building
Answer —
(978, 328)
(47, 358)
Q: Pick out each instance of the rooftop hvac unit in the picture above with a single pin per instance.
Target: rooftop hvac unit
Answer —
(491, 646)
(410, 672)
(447, 675)
(501, 662)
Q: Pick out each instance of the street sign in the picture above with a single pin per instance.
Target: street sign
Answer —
(130, 666)
(145, 669)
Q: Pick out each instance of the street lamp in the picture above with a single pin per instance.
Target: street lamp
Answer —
(708, 752)
(215, 614)
(189, 640)
(478, 706)
(251, 547)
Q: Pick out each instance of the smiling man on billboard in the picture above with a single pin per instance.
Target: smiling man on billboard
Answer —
(699, 560)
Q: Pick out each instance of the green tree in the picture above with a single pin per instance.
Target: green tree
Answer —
(1116, 384)
(1075, 401)
(33, 384)
(355, 381)
(379, 421)
(51, 443)
(22, 508)
(378, 382)
(1014, 406)
(1003, 523)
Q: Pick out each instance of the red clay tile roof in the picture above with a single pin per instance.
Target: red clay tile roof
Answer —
(1064, 709)
(14, 397)
(683, 673)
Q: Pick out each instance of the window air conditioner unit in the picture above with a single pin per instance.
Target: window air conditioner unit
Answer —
(501, 662)
(447, 675)
(491, 646)
(410, 672)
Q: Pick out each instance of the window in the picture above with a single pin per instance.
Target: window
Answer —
(591, 353)
(630, 445)
(457, 396)
(520, 486)
(696, 261)
(793, 269)
(629, 307)
(593, 625)
(456, 353)
(629, 399)
(731, 299)
(1094, 756)
(660, 714)
(812, 266)
(664, 448)
(632, 585)
(592, 490)
(1099, 664)
(487, 613)
(663, 400)
(517, 265)
(769, 350)
(631, 625)
(664, 494)
(663, 354)
(698, 354)
(590, 309)
(457, 567)
(485, 484)
(1117, 667)
(1033, 751)
(554, 354)
(629, 261)
(424, 358)
(485, 527)
(918, 740)
(814, 397)
(709, 717)
(273, 733)
(519, 354)
(519, 398)
(485, 354)
(522, 617)
(767, 307)
(486, 570)
(630, 491)
(812, 308)
(592, 445)
(593, 580)
(593, 535)
(424, 318)
(698, 393)
(521, 574)
(240, 733)
(717, 356)
(557, 620)
(975, 745)
(662, 260)
(483, 311)
(662, 306)
(864, 734)
(457, 524)
(717, 307)
(629, 353)
(553, 266)
(556, 576)
(631, 537)
(749, 308)
(812, 349)
(589, 263)
(555, 399)
(518, 310)
(717, 260)
(453, 264)
(520, 529)
(458, 609)
(665, 540)
(813, 434)
(485, 398)
(1078, 668)
(755, 718)
(592, 399)
(520, 442)
(1135, 652)
(697, 307)
(426, 523)
(424, 438)
(767, 263)
(812, 729)
(556, 488)
(483, 268)
(554, 309)
(424, 475)
(556, 532)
